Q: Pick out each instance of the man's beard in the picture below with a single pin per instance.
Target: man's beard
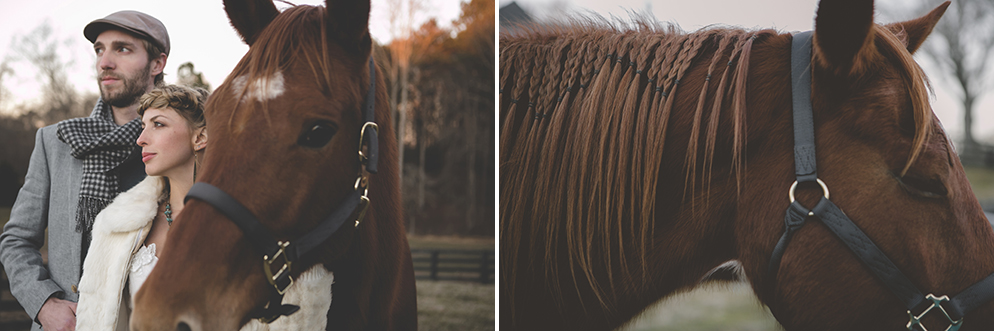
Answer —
(134, 88)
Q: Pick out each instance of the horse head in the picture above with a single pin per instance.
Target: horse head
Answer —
(290, 145)
(889, 166)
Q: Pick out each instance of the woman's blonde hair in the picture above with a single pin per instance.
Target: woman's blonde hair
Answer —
(186, 101)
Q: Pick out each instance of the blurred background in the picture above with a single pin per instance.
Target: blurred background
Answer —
(437, 57)
(956, 58)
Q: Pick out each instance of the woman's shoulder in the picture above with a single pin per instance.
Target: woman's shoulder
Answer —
(132, 209)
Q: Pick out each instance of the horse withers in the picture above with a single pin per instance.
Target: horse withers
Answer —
(635, 162)
(292, 161)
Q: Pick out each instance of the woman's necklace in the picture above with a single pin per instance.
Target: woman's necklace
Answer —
(169, 214)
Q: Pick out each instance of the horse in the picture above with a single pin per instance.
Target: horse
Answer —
(638, 161)
(292, 141)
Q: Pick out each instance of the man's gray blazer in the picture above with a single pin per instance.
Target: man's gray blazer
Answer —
(48, 199)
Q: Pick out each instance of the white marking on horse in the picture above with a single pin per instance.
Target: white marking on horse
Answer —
(263, 88)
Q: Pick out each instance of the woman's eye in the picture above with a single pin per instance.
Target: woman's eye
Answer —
(317, 136)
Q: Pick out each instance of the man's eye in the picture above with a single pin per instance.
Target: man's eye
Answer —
(98, 50)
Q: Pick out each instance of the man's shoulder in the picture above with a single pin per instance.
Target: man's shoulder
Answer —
(49, 137)
(49, 133)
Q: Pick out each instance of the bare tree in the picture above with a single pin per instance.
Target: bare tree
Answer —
(960, 46)
(5, 71)
(43, 50)
(402, 16)
(190, 77)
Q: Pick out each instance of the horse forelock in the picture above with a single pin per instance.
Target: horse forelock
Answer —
(556, 83)
(892, 46)
(297, 34)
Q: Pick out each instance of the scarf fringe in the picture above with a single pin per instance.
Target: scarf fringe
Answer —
(86, 212)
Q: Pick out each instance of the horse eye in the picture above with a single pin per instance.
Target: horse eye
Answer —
(929, 188)
(317, 136)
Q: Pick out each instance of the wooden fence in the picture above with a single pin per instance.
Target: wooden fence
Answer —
(450, 264)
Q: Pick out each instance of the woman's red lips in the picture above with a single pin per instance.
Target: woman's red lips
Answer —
(147, 156)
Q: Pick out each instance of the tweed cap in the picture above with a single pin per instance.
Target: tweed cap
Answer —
(138, 23)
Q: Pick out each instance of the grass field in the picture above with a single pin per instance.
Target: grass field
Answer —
(451, 306)
(982, 182)
(714, 307)
(455, 306)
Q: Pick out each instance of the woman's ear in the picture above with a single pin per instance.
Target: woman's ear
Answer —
(199, 138)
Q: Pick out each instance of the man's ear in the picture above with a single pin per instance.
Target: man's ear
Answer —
(158, 65)
(199, 139)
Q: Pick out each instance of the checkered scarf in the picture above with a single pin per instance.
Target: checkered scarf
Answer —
(103, 146)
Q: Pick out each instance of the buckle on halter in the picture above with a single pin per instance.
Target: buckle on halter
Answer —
(936, 302)
(361, 208)
(362, 141)
(282, 280)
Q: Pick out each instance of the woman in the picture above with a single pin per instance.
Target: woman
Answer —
(128, 235)
(127, 232)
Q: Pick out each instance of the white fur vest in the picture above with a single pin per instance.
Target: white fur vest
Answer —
(117, 233)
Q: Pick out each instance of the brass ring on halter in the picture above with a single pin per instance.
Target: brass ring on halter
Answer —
(362, 141)
(824, 188)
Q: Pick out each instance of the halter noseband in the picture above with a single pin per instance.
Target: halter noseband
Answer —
(272, 251)
(831, 216)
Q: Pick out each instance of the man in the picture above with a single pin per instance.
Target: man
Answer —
(78, 166)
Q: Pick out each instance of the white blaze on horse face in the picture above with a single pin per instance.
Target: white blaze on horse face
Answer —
(261, 89)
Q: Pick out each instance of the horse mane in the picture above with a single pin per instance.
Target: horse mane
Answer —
(586, 107)
(559, 86)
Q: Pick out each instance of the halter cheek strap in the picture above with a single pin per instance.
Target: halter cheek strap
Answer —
(842, 227)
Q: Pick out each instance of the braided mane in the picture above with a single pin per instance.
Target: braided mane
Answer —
(585, 111)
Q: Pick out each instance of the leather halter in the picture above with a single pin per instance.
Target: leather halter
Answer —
(355, 204)
(831, 216)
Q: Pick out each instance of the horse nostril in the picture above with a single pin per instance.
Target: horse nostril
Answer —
(182, 326)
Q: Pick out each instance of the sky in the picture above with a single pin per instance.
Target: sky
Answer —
(199, 32)
(783, 15)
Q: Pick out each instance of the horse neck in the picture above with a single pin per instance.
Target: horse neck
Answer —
(379, 247)
(619, 135)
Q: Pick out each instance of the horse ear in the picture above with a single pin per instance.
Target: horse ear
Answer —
(348, 22)
(915, 31)
(250, 17)
(843, 40)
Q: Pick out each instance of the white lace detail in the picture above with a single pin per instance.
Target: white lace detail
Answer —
(141, 265)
